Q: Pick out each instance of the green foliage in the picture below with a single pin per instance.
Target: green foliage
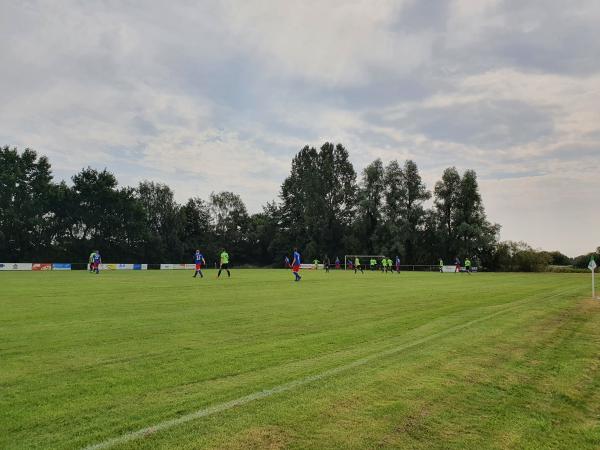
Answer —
(559, 259)
(318, 200)
(322, 210)
(25, 209)
(513, 256)
(582, 261)
(463, 225)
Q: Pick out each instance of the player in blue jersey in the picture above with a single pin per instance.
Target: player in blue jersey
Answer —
(296, 264)
(97, 260)
(200, 261)
(398, 264)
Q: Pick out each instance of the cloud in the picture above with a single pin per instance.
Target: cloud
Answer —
(214, 95)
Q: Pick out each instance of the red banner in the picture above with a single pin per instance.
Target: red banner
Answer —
(41, 266)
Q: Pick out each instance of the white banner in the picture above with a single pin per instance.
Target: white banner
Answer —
(177, 266)
(16, 266)
(452, 269)
(121, 266)
(311, 266)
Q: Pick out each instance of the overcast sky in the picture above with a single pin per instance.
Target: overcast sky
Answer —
(208, 96)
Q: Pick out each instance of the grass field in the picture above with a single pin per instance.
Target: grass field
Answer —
(416, 360)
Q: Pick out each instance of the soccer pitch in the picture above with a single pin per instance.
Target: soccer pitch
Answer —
(416, 360)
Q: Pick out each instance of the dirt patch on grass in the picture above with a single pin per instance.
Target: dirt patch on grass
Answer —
(414, 422)
(255, 438)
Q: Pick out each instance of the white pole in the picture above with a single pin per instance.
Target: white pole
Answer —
(593, 284)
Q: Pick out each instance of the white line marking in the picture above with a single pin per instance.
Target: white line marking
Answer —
(301, 382)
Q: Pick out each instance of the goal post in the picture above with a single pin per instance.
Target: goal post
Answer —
(362, 258)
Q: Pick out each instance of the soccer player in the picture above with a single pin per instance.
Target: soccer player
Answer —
(397, 264)
(200, 261)
(384, 265)
(390, 265)
(373, 264)
(316, 263)
(350, 264)
(91, 261)
(357, 265)
(468, 265)
(441, 265)
(224, 264)
(337, 263)
(456, 264)
(296, 261)
(326, 263)
(96, 262)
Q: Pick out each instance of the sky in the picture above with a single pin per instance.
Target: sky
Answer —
(219, 95)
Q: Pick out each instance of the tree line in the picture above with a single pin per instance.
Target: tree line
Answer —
(324, 208)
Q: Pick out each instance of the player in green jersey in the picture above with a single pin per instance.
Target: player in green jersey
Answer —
(224, 264)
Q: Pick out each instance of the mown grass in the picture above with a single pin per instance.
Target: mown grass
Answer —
(85, 358)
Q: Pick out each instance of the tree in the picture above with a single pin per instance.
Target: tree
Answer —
(318, 199)
(446, 194)
(338, 191)
(264, 239)
(164, 222)
(370, 201)
(102, 216)
(475, 235)
(464, 227)
(197, 231)
(25, 192)
(513, 256)
(416, 195)
(322, 210)
(559, 259)
(229, 219)
(582, 261)
(395, 195)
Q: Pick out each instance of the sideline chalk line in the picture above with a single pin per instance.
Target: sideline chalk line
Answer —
(303, 381)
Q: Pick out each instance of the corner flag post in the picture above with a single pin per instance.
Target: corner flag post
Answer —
(592, 266)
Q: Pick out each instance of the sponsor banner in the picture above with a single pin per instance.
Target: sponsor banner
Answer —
(177, 266)
(61, 266)
(311, 266)
(41, 266)
(122, 266)
(15, 266)
(452, 269)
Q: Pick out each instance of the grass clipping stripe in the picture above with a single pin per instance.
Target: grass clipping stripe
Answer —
(167, 424)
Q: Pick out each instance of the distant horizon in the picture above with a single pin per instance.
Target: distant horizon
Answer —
(219, 96)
